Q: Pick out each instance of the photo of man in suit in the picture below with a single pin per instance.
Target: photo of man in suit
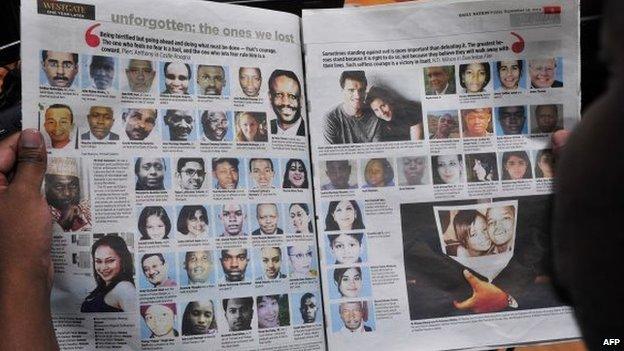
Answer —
(439, 80)
(101, 119)
(285, 97)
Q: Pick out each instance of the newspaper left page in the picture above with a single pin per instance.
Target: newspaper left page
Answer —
(178, 174)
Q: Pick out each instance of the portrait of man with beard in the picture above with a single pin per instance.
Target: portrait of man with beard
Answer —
(285, 97)
(62, 189)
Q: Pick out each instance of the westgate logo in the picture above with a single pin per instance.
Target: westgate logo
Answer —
(66, 9)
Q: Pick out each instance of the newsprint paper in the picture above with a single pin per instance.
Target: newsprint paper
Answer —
(182, 148)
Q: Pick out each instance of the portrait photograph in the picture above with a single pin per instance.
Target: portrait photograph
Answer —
(194, 222)
(475, 77)
(344, 215)
(306, 308)
(212, 80)
(377, 172)
(158, 270)
(154, 222)
(349, 282)
(178, 124)
(200, 317)
(140, 124)
(67, 188)
(386, 104)
(352, 317)
(443, 124)
(477, 122)
(447, 169)
(296, 174)
(197, 268)
(270, 263)
(413, 170)
(234, 265)
(267, 218)
(59, 69)
(113, 271)
(159, 321)
(287, 102)
(100, 72)
(481, 167)
(439, 80)
(99, 122)
(59, 125)
(152, 173)
(273, 311)
(546, 118)
(299, 218)
(229, 173)
(191, 173)
(511, 120)
(546, 72)
(479, 237)
(302, 261)
(264, 173)
(239, 314)
(139, 76)
(346, 248)
(250, 81)
(544, 161)
(216, 125)
(176, 78)
(515, 165)
(338, 174)
(231, 219)
(509, 75)
(250, 127)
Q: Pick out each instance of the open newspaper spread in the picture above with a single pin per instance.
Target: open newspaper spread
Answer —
(181, 187)
(430, 138)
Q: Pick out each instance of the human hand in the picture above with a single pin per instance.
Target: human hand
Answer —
(486, 297)
(559, 139)
(25, 220)
(25, 240)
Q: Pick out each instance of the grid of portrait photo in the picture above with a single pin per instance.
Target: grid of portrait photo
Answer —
(174, 291)
(206, 167)
(345, 248)
(90, 101)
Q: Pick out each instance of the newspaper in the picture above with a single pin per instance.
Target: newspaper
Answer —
(183, 211)
(430, 138)
(180, 179)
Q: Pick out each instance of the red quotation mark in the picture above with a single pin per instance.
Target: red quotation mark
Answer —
(93, 40)
(551, 10)
(517, 46)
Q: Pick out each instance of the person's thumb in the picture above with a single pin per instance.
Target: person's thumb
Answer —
(466, 304)
(31, 161)
(472, 280)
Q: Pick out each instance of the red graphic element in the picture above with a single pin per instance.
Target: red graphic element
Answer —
(93, 40)
(549, 10)
(517, 46)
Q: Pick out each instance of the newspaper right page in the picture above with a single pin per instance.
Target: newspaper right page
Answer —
(430, 131)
